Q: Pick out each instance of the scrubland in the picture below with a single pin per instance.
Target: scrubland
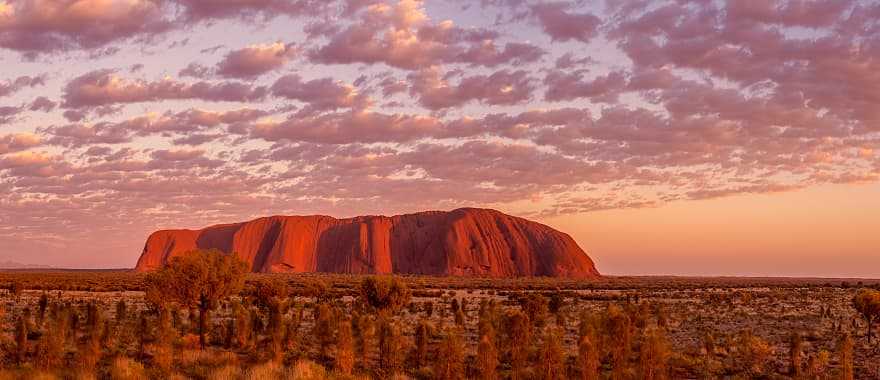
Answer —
(102, 325)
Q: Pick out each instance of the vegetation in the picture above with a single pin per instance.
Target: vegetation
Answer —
(197, 279)
(352, 327)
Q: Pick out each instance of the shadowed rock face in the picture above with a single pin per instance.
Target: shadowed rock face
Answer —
(461, 242)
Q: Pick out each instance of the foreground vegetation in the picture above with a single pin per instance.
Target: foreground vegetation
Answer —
(223, 324)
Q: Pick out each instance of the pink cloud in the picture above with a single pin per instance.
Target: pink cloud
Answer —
(562, 25)
(319, 94)
(10, 87)
(255, 60)
(571, 85)
(199, 10)
(105, 87)
(401, 35)
(36, 26)
(42, 103)
(18, 142)
(349, 127)
(500, 88)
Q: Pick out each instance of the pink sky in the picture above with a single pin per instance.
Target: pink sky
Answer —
(727, 137)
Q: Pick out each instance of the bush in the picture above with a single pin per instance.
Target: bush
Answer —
(385, 294)
(449, 364)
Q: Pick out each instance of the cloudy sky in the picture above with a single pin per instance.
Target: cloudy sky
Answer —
(736, 137)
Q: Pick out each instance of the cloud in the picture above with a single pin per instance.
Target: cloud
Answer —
(348, 127)
(319, 94)
(201, 10)
(185, 123)
(562, 25)
(42, 103)
(36, 26)
(402, 36)
(105, 87)
(8, 114)
(500, 88)
(570, 85)
(18, 142)
(10, 87)
(255, 60)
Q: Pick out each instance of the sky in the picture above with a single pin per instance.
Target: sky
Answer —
(733, 137)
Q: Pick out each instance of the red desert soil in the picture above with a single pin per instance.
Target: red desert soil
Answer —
(460, 242)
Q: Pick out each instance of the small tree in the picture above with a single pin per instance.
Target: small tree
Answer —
(519, 339)
(385, 294)
(487, 358)
(21, 340)
(552, 358)
(363, 329)
(653, 356)
(121, 311)
(322, 329)
(619, 329)
(845, 355)
(867, 303)
(588, 358)
(391, 352)
(449, 364)
(272, 297)
(15, 289)
(796, 355)
(199, 278)
(535, 306)
(422, 339)
(344, 347)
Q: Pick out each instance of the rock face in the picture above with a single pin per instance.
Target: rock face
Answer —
(463, 242)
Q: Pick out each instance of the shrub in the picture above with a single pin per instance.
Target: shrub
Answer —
(390, 347)
(487, 358)
(795, 355)
(449, 364)
(588, 358)
(422, 340)
(753, 353)
(653, 356)
(121, 312)
(618, 327)
(344, 348)
(364, 332)
(21, 340)
(552, 360)
(322, 329)
(123, 368)
(534, 305)
(519, 337)
(817, 364)
(867, 303)
(845, 356)
(199, 278)
(385, 294)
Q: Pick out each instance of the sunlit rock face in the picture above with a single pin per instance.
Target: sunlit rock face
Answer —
(462, 242)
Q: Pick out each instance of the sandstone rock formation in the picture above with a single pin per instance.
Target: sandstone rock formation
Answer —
(469, 241)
